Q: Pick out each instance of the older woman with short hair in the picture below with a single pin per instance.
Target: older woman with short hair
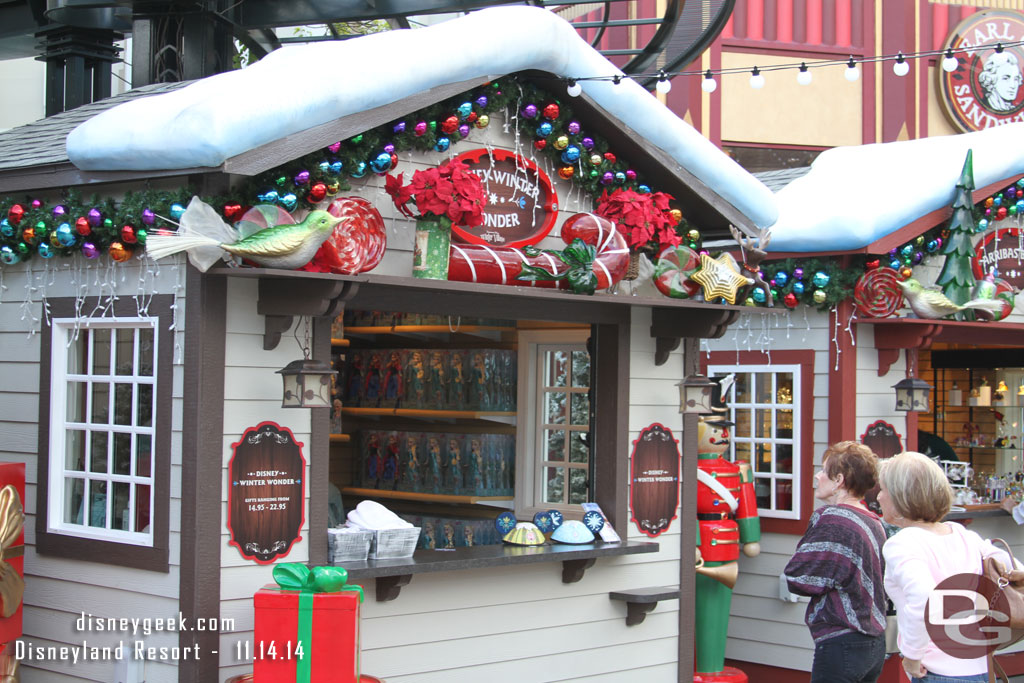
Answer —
(838, 564)
(915, 496)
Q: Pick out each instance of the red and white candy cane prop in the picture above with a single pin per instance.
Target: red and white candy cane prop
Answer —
(501, 265)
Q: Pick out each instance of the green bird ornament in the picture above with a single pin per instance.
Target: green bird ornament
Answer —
(207, 239)
(933, 304)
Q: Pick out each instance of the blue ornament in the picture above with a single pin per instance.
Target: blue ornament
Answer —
(544, 129)
(289, 201)
(932, 246)
(620, 177)
(643, 189)
(269, 197)
(65, 235)
(45, 250)
(571, 154)
(907, 251)
(1020, 183)
(381, 163)
(798, 288)
(336, 167)
(982, 224)
(781, 278)
(759, 296)
(359, 171)
(177, 210)
(6, 229)
(325, 167)
(820, 279)
(442, 144)
(1020, 205)
(8, 256)
(997, 201)
(465, 109)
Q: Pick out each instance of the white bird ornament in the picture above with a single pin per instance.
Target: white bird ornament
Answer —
(933, 304)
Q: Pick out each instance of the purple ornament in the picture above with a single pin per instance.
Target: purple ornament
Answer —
(89, 250)
(148, 217)
(301, 178)
(630, 175)
(421, 128)
(573, 128)
(918, 256)
(464, 130)
(482, 101)
(36, 203)
(772, 282)
(588, 143)
(59, 211)
(530, 111)
(399, 127)
(95, 217)
(608, 178)
(798, 273)
(893, 253)
(389, 148)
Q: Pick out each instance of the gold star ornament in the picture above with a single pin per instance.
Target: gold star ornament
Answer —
(720, 277)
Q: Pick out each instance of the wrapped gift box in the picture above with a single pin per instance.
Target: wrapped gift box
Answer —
(333, 654)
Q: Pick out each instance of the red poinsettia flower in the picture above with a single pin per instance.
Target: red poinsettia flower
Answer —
(400, 194)
(451, 190)
(645, 220)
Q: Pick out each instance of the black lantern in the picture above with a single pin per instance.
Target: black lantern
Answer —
(696, 395)
(307, 382)
(912, 394)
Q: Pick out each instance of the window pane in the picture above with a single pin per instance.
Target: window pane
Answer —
(125, 351)
(123, 404)
(784, 458)
(763, 388)
(146, 351)
(763, 492)
(742, 420)
(557, 363)
(122, 453)
(74, 450)
(76, 354)
(142, 507)
(76, 401)
(580, 369)
(144, 412)
(556, 445)
(784, 387)
(98, 503)
(579, 451)
(98, 452)
(100, 403)
(763, 426)
(742, 451)
(101, 352)
(783, 424)
(143, 456)
(119, 506)
(763, 453)
(580, 409)
(577, 486)
(554, 410)
(783, 494)
(742, 387)
(73, 491)
(554, 484)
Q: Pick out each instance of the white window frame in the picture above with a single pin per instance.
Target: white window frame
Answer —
(530, 447)
(796, 478)
(64, 333)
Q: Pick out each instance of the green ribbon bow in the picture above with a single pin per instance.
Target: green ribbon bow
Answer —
(579, 256)
(292, 576)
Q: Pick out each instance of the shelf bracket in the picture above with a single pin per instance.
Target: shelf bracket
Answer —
(572, 570)
(388, 587)
(280, 300)
(641, 602)
(891, 339)
(669, 325)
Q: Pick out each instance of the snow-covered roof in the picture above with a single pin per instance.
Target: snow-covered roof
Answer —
(298, 88)
(853, 196)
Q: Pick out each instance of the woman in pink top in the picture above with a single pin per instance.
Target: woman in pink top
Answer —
(915, 496)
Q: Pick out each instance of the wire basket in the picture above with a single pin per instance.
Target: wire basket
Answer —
(394, 543)
(351, 547)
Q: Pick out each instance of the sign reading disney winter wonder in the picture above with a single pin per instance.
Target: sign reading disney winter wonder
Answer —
(521, 202)
(1002, 249)
(985, 88)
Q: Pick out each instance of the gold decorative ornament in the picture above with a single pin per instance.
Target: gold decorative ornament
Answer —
(12, 519)
(720, 277)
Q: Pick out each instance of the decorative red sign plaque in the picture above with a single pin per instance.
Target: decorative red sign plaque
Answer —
(985, 89)
(1003, 249)
(654, 480)
(522, 204)
(266, 496)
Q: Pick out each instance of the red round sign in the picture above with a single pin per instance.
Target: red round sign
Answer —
(1002, 249)
(986, 89)
(521, 202)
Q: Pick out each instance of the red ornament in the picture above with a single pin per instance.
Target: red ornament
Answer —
(472, 117)
(790, 300)
(15, 214)
(317, 192)
(394, 160)
(609, 157)
(1001, 213)
(232, 212)
(119, 252)
(540, 144)
(872, 264)
(551, 111)
(128, 234)
(82, 226)
(450, 124)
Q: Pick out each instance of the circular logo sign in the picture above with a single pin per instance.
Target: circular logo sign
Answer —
(521, 202)
(964, 616)
(1001, 249)
(986, 89)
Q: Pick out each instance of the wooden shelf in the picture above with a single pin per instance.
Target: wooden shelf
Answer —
(423, 497)
(436, 414)
(447, 329)
(340, 438)
(339, 342)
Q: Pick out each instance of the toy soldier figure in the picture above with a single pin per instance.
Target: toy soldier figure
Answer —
(726, 519)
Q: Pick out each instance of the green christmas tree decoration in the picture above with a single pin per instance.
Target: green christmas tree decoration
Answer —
(957, 277)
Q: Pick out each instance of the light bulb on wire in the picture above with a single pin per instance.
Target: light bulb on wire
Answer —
(949, 62)
(901, 67)
(663, 85)
(803, 76)
(574, 88)
(756, 79)
(852, 72)
(708, 84)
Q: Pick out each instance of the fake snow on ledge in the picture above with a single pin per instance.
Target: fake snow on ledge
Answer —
(853, 196)
(293, 89)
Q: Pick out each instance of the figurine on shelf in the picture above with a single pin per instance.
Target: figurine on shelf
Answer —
(389, 478)
(453, 466)
(336, 425)
(467, 535)
(354, 380)
(449, 536)
(456, 382)
(392, 380)
(371, 385)
(432, 477)
(411, 469)
(475, 475)
(478, 382)
(374, 461)
(429, 541)
(437, 380)
(490, 466)
(415, 380)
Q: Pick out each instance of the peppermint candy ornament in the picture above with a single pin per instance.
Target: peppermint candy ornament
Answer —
(877, 293)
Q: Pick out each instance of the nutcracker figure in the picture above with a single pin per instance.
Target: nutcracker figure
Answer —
(726, 519)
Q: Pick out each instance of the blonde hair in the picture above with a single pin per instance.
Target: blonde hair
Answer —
(856, 462)
(917, 487)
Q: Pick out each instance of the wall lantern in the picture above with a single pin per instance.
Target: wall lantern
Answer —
(307, 382)
(912, 394)
(696, 394)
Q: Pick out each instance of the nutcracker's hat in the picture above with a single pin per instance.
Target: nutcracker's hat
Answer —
(720, 410)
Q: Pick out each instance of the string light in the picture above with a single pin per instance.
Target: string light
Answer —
(852, 72)
(709, 84)
(999, 48)
(756, 79)
(949, 62)
(663, 85)
(803, 76)
(901, 67)
(574, 88)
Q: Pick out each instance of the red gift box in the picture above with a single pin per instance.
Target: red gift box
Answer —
(334, 651)
(13, 473)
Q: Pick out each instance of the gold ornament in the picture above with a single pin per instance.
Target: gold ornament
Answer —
(596, 159)
(119, 252)
(693, 235)
(720, 277)
(482, 121)
(819, 296)
(333, 188)
(566, 172)
(561, 142)
(12, 519)
(676, 214)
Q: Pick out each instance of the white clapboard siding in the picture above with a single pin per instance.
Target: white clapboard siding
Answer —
(58, 590)
(876, 397)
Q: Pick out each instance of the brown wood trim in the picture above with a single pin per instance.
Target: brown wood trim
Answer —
(319, 455)
(201, 468)
(688, 525)
(842, 376)
(109, 552)
(610, 346)
(65, 174)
